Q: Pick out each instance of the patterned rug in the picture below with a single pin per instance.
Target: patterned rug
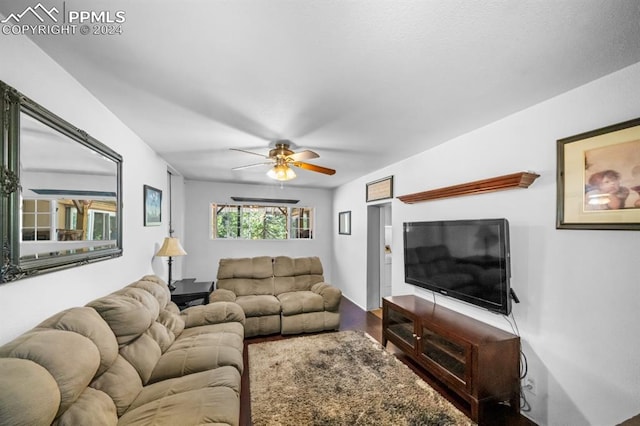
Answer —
(343, 378)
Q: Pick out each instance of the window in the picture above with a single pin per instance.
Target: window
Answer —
(36, 220)
(301, 222)
(252, 222)
(102, 225)
(68, 220)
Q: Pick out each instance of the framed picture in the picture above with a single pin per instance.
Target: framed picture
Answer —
(344, 223)
(152, 206)
(380, 189)
(598, 178)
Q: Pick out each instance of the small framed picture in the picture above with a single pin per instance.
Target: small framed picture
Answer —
(380, 189)
(152, 206)
(344, 223)
(598, 178)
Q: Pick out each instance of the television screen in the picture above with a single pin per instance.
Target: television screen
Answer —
(464, 259)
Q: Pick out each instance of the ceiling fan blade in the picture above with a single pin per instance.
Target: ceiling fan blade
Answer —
(251, 165)
(303, 155)
(314, 168)
(249, 152)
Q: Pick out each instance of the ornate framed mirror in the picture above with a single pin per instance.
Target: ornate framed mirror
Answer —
(60, 195)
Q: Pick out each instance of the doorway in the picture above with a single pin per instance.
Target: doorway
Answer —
(379, 257)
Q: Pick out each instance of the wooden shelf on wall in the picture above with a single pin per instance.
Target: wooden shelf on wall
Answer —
(514, 180)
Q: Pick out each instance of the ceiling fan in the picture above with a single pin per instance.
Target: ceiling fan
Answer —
(282, 158)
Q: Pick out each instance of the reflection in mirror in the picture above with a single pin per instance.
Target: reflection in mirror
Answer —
(60, 192)
(68, 194)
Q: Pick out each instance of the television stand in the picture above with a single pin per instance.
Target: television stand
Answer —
(472, 363)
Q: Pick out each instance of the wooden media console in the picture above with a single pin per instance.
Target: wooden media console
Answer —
(473, 363)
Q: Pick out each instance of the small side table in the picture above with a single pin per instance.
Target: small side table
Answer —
(188, 291)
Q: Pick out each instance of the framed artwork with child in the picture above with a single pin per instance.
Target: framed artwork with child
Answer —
(598, 178)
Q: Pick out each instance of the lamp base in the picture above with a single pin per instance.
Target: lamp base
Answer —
(169, 283)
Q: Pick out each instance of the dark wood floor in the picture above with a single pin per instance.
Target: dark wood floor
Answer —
(354, 318)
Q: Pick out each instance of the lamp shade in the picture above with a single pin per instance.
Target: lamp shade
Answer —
(281, 172)
(171, 247)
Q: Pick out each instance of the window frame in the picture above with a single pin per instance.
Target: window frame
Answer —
(292, 234)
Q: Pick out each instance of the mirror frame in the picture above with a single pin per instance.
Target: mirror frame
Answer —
(12, 103)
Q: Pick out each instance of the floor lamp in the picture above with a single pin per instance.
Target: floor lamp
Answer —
(171, 248)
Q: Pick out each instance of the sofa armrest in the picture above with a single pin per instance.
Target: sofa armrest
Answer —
(222, 295)
(213, 313)
(330, 294)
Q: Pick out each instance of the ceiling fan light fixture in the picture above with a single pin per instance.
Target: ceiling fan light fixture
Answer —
(281, 172)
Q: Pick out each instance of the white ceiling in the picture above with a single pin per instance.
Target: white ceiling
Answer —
(40, 143)
(364, 83)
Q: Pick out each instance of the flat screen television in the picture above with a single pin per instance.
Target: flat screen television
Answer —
(465, 259)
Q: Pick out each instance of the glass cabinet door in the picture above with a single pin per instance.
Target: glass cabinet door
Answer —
(402, 327)
(449, 355)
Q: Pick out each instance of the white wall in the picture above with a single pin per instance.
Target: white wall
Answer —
(580, 290)
(205, 253)
(25, 303)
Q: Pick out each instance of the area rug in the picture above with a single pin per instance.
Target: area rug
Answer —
(342, 378)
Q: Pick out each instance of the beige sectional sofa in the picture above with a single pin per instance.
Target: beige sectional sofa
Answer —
(129, 358)
(279, 295)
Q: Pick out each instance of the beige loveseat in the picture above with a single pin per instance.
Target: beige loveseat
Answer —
(279, 295)
(129, 358)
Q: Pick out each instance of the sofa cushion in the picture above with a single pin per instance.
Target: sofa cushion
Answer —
(297, 283)
(246, 276)
(229, 336)
(143, 354)
(222, 295)
(127, 317)
(93, 407)
(159, 290)
(213, 405)
(330, 295)
(299, 302)
(223, 376)
(61, 353)
(255, 267)
(121, 382)
(247, 286)
(21, 382)
(310, 322)
(284, 266)
(262, 326)
(213, 313)
(172, 321)
(87, 322)
(296, 274)
(259, 305)
(162, 336)
(224, 327)
(143, 296)
(200, 352)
